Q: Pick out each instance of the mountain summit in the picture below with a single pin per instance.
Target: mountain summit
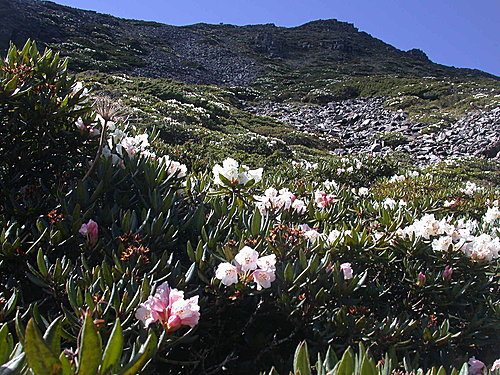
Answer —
(210, 54)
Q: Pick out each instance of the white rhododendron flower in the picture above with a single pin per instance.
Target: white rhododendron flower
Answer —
(346, 270)
(442, 243)
(173, 166)
(331, 185)
(267, 262)
(363, 191)
(470, 188)
(397, 178)
(333, 236)
(274, 200)
(263, 278)
(252, 267)
(227, 273)
(299, 206)
(492, 215)
(389, 203)
(247, 258)
(481, 248)
(311, 234)
(232, 171)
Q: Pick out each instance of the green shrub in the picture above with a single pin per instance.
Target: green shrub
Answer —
(39, 142)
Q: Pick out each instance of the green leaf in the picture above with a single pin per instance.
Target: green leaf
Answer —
(14, 366)
(256, 223)
(346, 364)
(90, 348)
(52, 335)
(330, 359)
(146, 352)
(66, 365)
(301, 364)
(190, 272)
(5, 346)
(367, 366)
(42, 266)
(113, 350)
(19, 327)
(40, 358)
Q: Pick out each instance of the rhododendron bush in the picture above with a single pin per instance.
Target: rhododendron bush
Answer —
(123, 260)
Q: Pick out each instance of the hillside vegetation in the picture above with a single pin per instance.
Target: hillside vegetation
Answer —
(148, 226)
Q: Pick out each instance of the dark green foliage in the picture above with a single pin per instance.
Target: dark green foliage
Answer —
(39, 143)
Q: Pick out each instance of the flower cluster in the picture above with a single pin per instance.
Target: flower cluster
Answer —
(274, 200)
(455, 237)
(120, 143)
(429, 226)
(323, 199)
(390, 203)
(248, 266)
(169, 307)
(85, 128)
(173, 166)
(492, 214)
(402, 177)
(361, 191)
(470, 188)
(304, 164)
(355, 164)
(236, 175)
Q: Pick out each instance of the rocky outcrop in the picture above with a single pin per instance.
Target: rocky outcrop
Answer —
(365, 126)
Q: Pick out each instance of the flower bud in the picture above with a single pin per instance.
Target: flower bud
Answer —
(421, 279)
(448, 271)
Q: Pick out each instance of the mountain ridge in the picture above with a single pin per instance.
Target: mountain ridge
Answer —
(211, 54)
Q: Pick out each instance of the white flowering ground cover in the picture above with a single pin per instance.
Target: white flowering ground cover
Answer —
(124, 260)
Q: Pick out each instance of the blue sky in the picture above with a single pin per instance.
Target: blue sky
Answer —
(462, 33)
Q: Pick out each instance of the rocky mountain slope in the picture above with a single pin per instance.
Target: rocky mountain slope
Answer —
(365, 126)
(320, 88)
(210, 54)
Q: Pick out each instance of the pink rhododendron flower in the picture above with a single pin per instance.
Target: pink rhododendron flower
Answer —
(247, 258)
(299, 206)
(346, 270)
(184, 312)
(169, 307)
(475, 366)
(90, 230)
(227, 273)
(322, 199)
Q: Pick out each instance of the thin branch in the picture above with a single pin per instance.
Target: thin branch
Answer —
(99, 150)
